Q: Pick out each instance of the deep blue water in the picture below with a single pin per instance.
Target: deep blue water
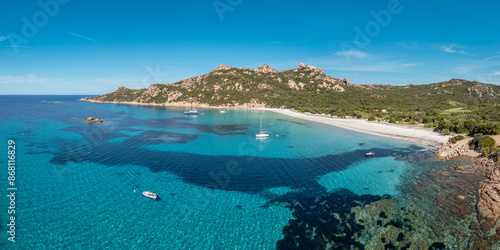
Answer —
(79, 184)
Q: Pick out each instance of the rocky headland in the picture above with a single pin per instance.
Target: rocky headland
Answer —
(486, 187)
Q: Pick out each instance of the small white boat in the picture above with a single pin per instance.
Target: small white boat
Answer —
(191, 112)
(150, 194)
(261, 134)
(222, 111)
(370, 154)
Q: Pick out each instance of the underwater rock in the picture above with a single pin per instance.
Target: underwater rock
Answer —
(325, 222)
(437, 245)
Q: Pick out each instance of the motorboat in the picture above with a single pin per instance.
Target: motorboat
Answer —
(191, 112)
(150, 194)
(370, 154)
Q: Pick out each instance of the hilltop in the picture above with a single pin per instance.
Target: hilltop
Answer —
(456, 105)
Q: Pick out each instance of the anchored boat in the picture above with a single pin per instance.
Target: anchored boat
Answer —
(261, 134)
(191, 112)
(150, 194)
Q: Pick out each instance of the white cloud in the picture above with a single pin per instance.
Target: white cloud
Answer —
(29, 78)
(492, 57)
(3, 38)
(452, 49)
(448, 48)
(351, 53)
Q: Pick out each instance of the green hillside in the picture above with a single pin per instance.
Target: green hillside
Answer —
(456, 105)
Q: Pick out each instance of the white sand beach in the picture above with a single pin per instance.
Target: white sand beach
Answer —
(403, 132)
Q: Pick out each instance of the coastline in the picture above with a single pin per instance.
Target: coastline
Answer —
(401, 132)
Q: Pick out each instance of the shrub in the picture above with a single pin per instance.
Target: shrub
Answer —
(445, 131)
(456, 138)
(372, 118)
(486, 151)
(483, 144)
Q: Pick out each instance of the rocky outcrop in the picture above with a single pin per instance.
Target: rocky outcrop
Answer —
(221, 67)
(265, 69)
(488, 192)
(482, 90)
(449, 151)
(488, 204)
(93, 120)
(333, 87)
(346, 81)
(291, 84)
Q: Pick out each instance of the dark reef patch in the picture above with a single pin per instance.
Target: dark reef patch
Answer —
(325, 220)
(437, 246)
(229, 128)
(247, 174)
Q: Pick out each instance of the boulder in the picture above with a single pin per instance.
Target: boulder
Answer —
(92, 120)
(488, 205)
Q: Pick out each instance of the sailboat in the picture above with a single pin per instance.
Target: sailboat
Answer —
(261, 134)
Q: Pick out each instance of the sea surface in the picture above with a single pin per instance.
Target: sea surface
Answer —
(309, 185)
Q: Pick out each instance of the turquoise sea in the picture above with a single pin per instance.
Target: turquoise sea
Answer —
(309, 185)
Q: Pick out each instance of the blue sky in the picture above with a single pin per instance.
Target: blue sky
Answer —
(93, 47)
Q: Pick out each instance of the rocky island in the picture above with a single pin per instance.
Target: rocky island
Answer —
(93, 120)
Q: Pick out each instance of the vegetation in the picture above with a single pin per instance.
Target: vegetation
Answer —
(483, 144)
(454, 106)
(456, 138)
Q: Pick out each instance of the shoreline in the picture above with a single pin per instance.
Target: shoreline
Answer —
(402, 132)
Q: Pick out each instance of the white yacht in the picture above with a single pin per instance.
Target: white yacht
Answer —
(191, 112)
(150, 194)
(370, 154)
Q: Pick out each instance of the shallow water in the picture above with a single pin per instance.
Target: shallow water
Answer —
(79, 184)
